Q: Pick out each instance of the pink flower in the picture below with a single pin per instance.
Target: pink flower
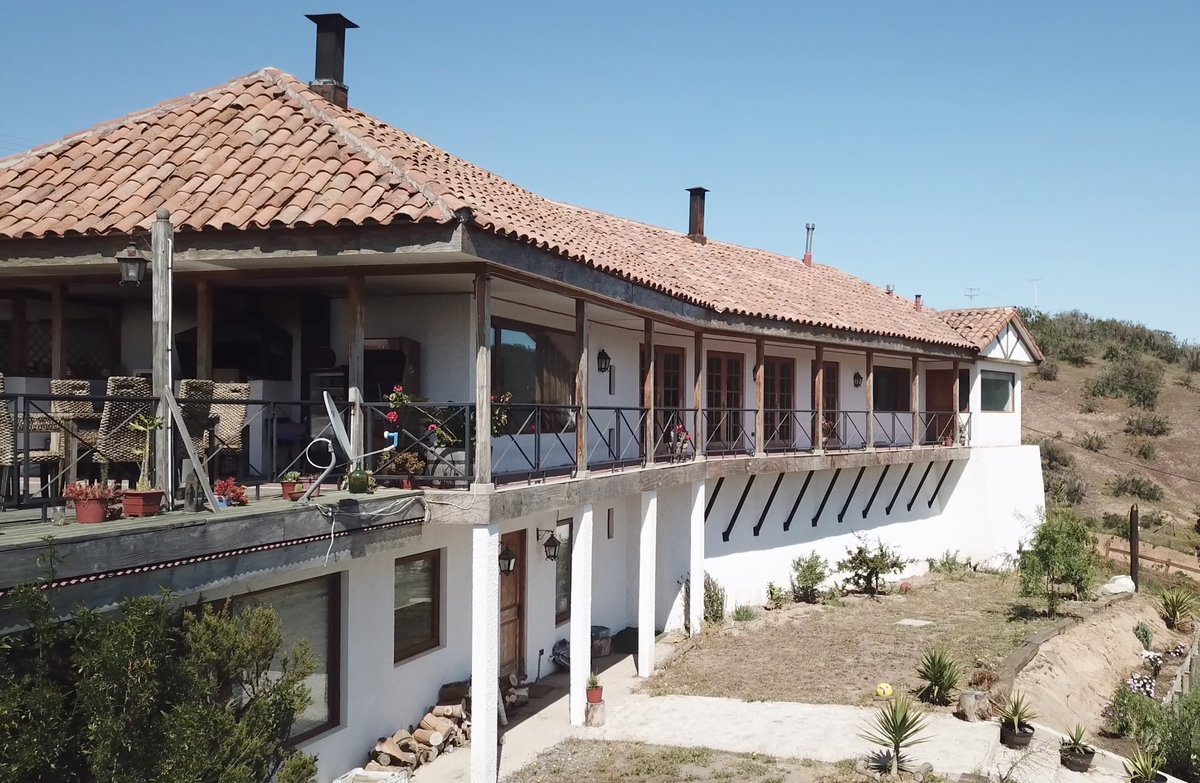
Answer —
(392, 417)
(398, 389)
(431, 428)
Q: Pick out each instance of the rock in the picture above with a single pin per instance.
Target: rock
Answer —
(905, 588)
(922, 772)
(1117, 585)
(861, 767)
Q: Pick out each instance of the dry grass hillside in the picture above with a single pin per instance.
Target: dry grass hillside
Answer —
(1093, 451)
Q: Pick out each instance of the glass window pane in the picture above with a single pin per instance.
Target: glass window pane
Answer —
(416, 610)
(562, 573)
(996, 390)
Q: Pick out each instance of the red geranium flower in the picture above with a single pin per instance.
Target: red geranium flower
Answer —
(392, 417)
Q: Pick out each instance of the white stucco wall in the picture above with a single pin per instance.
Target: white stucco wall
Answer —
(995, 428)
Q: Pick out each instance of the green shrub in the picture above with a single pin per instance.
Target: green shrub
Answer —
(1178, 607)
(714, 601)
(776, 597)
(1047, 371)
(1148, 425)
(1130, 714)
(1092, 441)
(744, 614)
(1136, 486)
(1075, 352)
(1145, 635)
(949, 565)
(1059, 552)
(1142, 449)
(1088, 405)
(940, 674)
(807, 575)
(869, 566)
(1143, 765)
(1190, 359)
(1064, 488)
(1055, 455)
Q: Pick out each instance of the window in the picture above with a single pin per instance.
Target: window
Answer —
(893, 389)
(996, 390)
(416, 623)
(668, 390)
(562, 571)
(779, 376)
(723, 389)
(611, 524)
(964, 391)
(309, 611)
(535, 365)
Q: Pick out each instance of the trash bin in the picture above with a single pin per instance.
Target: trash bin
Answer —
(601, 641)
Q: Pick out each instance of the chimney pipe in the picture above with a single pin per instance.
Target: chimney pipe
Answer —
(810, 228)
(331, 57)
(696, 215)
(917, 302)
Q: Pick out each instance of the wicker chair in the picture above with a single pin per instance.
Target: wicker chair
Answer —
(231, 417)
(195, 403)
(116, 443)
(74, 422)
(10, 458)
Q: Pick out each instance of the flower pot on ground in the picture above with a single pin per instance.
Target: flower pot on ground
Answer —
(294, 486)
(1015, 716)
(91, 501)
(595, 691)
(145, 500)
(1075, 754)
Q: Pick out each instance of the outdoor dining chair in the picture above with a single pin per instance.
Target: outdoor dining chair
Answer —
(10, 457)
(117, 443)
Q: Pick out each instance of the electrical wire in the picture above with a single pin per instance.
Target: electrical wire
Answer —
(1059, 437)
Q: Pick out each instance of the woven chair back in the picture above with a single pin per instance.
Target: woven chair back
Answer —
(117, 443)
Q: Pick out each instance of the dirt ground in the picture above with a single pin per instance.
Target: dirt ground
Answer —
(581, 761)
(838, 654)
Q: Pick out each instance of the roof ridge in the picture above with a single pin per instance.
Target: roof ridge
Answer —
(284, 81)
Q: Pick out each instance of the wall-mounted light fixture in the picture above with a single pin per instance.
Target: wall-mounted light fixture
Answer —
(551, 544)
(132, 264)
(603, 361)
(508, 562)
(858, 379)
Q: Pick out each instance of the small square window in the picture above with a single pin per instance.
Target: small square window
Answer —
(996, 391)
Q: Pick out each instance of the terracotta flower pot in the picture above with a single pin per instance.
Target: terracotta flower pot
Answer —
(90, 512)
(141, 503)
(595, 695)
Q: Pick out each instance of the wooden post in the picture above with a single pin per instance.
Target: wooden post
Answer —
(58, 330)
(161, 237)
(581, 388)
(699, 370)
(869, 383)
(18, 354)
(1133, 547)
(954, 404)
(914, 402)
(760, 396)
(483, 379)
(818, 436)
(357, 329)
(650, 436)
(204, 329)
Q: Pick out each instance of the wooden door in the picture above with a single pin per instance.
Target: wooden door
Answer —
(668, 392)
(512, 608)
(723, 388)
(939, 405)
(831, 400)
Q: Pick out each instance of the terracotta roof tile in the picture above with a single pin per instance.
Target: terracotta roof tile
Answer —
(981, 325)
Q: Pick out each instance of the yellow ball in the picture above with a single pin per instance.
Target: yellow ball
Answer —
(883, 690)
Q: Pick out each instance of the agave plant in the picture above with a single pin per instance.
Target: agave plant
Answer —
(1178, 605)
(1016, 710)
(896, 726)
(1143, 766)
(1074, 742)
(940, 674)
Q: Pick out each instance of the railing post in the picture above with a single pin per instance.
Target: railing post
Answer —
(204, 329)
(483, 379)
(648, 437)
(161, 238)
(954, 404)
(699, 371)
(818, 437)
(581, 388)
(760, 397)
(915, 402)
(870, 387)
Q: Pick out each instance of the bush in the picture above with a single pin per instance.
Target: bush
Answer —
(744, 614)
(1143, 450)
(1047, 371)
(940, 674)
(1055, 456)
(949, 565)
(1178, 607)
(1136, 486)
(807, 575)
(1060, 552)
(714, 601)
(1190, 359)
(1088, 405)
(1076, 353)
(1065, 488)
(776, 597)
(868, 567)
(1148, 425)
(1092, 441)
(1145, 635)
(1131, 714)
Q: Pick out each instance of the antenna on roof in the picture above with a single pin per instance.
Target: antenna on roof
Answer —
(971, 294)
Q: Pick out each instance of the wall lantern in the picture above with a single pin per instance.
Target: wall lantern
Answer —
(603, 361)
(132, 264)
(858, 380)
(551, 544)
(508, 562)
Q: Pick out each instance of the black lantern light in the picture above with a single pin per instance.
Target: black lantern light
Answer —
(603, 361)
(132, 264)
(551, 544)
(508, 562)
(858, 379)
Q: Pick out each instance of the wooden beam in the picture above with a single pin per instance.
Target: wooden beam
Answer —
(713, 497)
(161, 235)
(18, 352)
(58, 330)
(941, 481)
(954, 403)
(912, 501)
(581, 386)
(483, 379)
(878, 484)
(787, 523)
(870, 386)
(699, 370)
(828, 491)
(738, 509)
(770, 499)
(356, 328)
(915, 402)
(900, 486)
(204, 329)
(649, 437)
(850, 497)
(818, 436)
(760, 396)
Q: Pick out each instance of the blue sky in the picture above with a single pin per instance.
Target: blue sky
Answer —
(936, 145)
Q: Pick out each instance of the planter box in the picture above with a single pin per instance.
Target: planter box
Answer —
(142, 503)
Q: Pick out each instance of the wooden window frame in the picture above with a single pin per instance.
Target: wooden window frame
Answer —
(399, 656)
(563, 617)
(711, 428)
(661, 409)
(785, 367)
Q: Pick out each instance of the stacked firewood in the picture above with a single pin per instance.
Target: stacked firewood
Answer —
(445, 728)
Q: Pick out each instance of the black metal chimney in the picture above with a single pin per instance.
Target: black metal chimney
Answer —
(696, 215)
(331, 57)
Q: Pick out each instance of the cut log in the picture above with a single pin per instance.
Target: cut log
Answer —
(405, 741)
(374, 766)
(453, 692)
(431, 738)
(502, 715)
(434, 723)
(428, 754)
(593, 714)
(386, 746)
(974, 706)
(454, 711)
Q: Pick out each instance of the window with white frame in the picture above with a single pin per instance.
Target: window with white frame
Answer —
(996, 391)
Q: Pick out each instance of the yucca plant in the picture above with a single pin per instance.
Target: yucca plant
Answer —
(1143, 766)
(1178, 606)
(896, 726)
(1074, 741)
(940, 674)
(1016, 710)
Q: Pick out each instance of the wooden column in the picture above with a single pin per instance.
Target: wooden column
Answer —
(581, 387)
(58, 330)
(483, 379)
(650, 436)
(699, 370)
(161, 238)
(915, 402)
(760, 396)
(870, 387)
(355, 313)
(18, 353)
(204, 329)
(818, 434)
(954, 404)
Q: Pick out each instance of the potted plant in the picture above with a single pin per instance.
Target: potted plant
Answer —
(595, 691)
(1143, 767)
(1015, 716)
(229, 493)
(90, 500)
(681, 440)
(1075, 754)
(293, 488)
(145, 500)
(405, 463)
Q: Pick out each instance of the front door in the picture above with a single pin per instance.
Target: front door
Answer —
(830, 400)
(512, 608)
(939, 404)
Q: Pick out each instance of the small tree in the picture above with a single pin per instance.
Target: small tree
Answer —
(1060, 552)
(869, 566)
(807, 575)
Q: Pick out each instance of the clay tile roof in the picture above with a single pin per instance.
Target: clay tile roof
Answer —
(211, 151)
(981, 325)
